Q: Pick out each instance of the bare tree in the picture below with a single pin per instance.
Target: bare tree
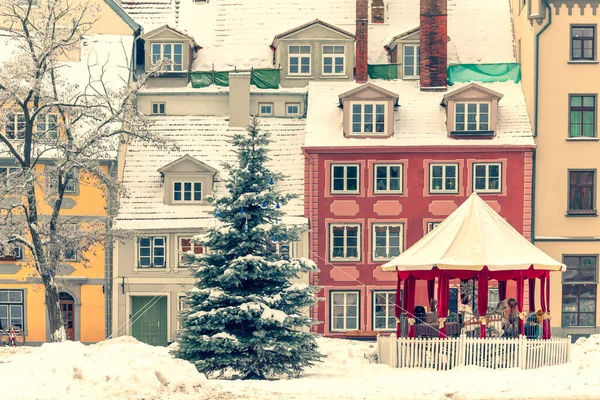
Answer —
(57, 132)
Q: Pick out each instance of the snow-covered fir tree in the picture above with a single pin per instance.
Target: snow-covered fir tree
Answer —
(245, 315)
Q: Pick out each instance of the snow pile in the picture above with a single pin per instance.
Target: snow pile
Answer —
(121, 368)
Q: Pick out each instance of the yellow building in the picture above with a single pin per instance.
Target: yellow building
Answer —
(85, 290)
(556, 42)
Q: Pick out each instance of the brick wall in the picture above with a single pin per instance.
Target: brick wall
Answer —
(362, 40)
(434, 43)
(377, 12)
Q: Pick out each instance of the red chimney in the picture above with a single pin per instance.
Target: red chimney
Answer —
(362, 40)
(434, 44)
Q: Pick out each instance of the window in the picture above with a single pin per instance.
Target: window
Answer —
(345, 179)
(299, 60)
(182, 305)
(292, 109)
(583, 43)
(384, 317)
(443, 178)
(71, 186)
(187, 191)
(388, 241)
(265, 109)
(472, 117)
(11, 252)
(344, 310)
(582, 197)
(5, 172)
(333, 60)
(487, 178)
(388, 178)
(368, 117)
(283, 249)
(158, 108)
(47, 126)
(579, 291)
(11, 309)
(172, 53)
(412, 60)
(582, 116)
(493, 297)
(431, 226)
(15, 126)
(151, 252)
(344, 242)
(70, 248)
(185, 246)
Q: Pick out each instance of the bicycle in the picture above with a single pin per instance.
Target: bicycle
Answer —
(12, 336)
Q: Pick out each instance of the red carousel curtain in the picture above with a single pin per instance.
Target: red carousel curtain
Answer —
(544, 309)
(502, 290)
(520, 298)
(482, 297)
(548, 330)
(531, 294)
(430, 289)
(410, 305)
(443, 302)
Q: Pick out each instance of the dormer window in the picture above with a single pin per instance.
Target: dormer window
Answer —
(472, 116)
(368, 118)
(411, 60)
(405, 50)
(299, 60)
(368, 111)
(172, 53)
(333, 60)
(472, 111)
(187, 181)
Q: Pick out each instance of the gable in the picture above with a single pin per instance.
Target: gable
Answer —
(314, 30)
(472, 91)
(368, 91)
(187, 164)
(412, 35)
(166, 33)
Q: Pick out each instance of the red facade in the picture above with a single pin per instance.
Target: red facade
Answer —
(359, 286)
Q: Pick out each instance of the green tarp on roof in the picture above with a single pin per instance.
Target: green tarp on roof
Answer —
(383, 71)
(261, 78)
(484, 73)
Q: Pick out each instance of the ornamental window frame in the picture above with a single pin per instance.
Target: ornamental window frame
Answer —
(389, 314)
(388, 246)
(582, 41)
(444, 177)
(344, 178)
(344, 317)
(345, 246)
(388, 178)
(487, 177)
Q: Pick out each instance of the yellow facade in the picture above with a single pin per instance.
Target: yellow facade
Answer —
(557, 231)
(85, 284)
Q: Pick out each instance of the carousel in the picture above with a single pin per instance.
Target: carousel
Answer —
(474, 244)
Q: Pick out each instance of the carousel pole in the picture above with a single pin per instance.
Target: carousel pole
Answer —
(543, 303)
(520, 299)
(411, 306)
(547, 315)
(397, 309)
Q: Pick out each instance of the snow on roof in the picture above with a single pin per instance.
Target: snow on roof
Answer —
(238, 33)
(207, 139)
(419, 120)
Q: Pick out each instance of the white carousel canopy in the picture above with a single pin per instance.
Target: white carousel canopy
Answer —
(472, 237)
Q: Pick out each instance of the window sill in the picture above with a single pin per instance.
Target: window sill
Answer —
(178, 74)
(582, 139)
(472, 134)
(344, 260)
(453, 193)
(367, 136)
(344, 193)
(582, 62)
(308, 76)
(151, 269)
(581, 213)
(410, 78)
(333, 76)
(387, 193)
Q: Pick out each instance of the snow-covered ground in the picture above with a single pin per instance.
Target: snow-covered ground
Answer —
(123, 368)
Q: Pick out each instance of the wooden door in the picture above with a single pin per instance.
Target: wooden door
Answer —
(67, 306)
(149, 319)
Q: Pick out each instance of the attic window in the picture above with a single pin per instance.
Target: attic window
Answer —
(472, 116)
(368, 118)
(172, 53)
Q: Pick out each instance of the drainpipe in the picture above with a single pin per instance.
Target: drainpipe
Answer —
(536, 114)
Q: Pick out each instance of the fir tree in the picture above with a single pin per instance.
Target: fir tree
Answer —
(244, 312)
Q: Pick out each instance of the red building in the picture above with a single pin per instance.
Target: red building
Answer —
(386, 161)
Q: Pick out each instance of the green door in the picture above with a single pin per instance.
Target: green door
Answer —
(149, 324)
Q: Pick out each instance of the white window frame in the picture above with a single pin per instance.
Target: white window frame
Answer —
(387, 240)
(362, 118)
(333, 57)
(169, 67)
(444, 177)
(487, 177)
(72, 184)
(43, 123)
(13, 251)
(477, 116)
(416, 63)
(9, 304)
(182, 191)
(431, 225)
(266, 114)
(287, 110)
(345, 305)
(5, 172)
(193, 247)
(152, 255)
(299, 56)
(181, 306)
(156, 108)
(387, 190)
(18, 131)
(345, 178)
(345, 238)
(387, 316)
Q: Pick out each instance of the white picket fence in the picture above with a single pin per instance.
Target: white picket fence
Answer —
(445, 354)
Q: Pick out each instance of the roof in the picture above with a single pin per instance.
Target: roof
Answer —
(124, 16)
(309, 24)
(207, 140)
(238, 34)
(165, 27)
(419, 120)
(472, 237)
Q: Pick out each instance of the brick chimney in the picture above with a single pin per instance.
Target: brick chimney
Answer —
(434, 44)
(377, 11)
(362, 40)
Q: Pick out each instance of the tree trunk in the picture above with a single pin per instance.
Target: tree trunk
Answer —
(55, 320)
